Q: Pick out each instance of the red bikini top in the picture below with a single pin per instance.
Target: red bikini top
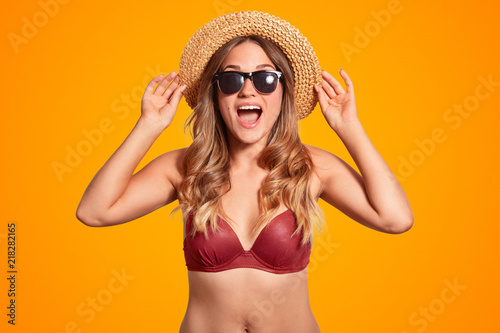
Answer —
(273, 251)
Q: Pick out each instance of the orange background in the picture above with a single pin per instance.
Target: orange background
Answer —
(73, 73)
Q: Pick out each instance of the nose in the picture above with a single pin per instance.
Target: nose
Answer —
(248, 88)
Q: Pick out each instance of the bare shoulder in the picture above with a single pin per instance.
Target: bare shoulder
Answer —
(172, 157)
(170, 164)
(323, 161)
(326, 166)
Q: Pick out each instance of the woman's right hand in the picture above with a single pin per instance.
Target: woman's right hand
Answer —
(159, 105)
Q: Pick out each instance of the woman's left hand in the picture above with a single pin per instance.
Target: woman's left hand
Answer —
(337, 105)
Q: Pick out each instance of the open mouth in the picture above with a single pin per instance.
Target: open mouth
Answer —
(249, 114)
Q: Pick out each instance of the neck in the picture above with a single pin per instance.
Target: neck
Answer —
(245, 155)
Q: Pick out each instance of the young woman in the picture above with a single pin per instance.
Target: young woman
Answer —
(248, 188)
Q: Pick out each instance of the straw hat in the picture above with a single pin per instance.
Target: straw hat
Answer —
(206, 41)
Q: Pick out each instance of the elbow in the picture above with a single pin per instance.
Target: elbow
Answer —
(87, 218)
(399, 225)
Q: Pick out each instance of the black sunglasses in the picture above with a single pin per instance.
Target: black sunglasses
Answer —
(265, 82)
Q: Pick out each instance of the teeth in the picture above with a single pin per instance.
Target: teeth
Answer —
(249, 107)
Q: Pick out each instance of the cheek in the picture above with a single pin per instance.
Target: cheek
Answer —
(222, 104)
(225, 113)
(220, 100)
(225, 101)
(276, 102)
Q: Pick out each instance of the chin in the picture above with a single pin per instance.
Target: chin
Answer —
(250, 138)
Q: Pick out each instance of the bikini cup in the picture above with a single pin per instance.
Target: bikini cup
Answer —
(275, 250)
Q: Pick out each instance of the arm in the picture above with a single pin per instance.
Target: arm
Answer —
(116, 195)
(375, 198)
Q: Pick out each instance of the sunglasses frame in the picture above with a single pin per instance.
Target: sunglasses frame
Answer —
(249, 76)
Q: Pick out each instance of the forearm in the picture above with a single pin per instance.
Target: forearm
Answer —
(382, 188)
(111, 180)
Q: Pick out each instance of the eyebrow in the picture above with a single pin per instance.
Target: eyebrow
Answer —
(236, 67)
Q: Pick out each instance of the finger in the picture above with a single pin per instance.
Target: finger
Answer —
(333, 82)
(348, 82)
(177, 95)
(322, 97)
(160, 88)
(328, 89)
(173, 85)
(151, 85)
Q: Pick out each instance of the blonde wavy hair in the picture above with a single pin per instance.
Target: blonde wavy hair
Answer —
(206, 160)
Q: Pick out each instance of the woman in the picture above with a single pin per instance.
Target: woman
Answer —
(248, 188)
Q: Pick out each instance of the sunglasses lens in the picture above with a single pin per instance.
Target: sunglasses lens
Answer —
(230, 83)
(265, 83)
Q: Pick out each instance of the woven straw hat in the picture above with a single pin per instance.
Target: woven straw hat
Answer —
(206, 41)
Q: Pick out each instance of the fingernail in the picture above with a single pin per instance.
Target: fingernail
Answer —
(341, 70)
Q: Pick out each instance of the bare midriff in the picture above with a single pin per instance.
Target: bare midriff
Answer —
(245, 300)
